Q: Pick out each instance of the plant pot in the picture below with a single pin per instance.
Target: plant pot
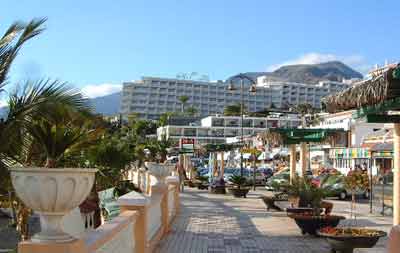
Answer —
(310, 224)
(239, 192)
(347, 243)
(202, 186)
(160, 172)
(217, 189)
(52, 193)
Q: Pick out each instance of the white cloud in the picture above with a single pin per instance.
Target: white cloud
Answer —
(356, 61)
(3, 103)
(99, 90)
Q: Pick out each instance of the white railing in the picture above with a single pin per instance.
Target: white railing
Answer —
(121, 242)
(171, 201)
(143, 221)
(88, 220)
(154, 217)
(113, 236)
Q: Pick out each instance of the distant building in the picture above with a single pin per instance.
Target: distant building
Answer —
(216, 129)
(152, 96)
(286, 93)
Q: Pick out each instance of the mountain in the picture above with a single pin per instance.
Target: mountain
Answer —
(310, 73)
(107, 105)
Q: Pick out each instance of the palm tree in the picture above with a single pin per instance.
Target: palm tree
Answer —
(304, 109)
(191, 111)
(234, 110)
(183, 99)
(13, 40)
(64, 130)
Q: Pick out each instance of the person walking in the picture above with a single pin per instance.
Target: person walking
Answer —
(181, 172)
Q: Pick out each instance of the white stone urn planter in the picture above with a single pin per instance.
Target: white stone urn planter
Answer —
(160, 172)
(52, 193)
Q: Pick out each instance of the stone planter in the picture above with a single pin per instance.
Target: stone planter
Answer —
(310, 224)
(52, 193)
(347, 243)
(160, 172)
(239, 192)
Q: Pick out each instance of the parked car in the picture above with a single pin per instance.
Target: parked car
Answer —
(319, 179)
(228, 172)
(267, 172)
(260, 176)
(202, 171)
(334, 187)
(277, 179)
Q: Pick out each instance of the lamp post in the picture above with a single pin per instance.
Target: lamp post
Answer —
(252, 89)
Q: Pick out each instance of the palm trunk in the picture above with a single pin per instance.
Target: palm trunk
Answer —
(50, 163)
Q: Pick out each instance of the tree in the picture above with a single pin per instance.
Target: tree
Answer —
(305, 109)
(11, 43)
(65, 129)
(13, 40)
(183, 99)
(191, 111)
(141, 128)
(164, 118)
(234, 110)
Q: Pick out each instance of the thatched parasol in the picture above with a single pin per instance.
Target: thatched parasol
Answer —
(272, 138)
(366, 93)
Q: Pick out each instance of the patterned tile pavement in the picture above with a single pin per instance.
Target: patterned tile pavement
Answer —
(210, 223)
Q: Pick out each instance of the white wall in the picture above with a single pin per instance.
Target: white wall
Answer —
(360, 130)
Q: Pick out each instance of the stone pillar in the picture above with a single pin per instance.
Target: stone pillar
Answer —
(396, 174)
(148, 182)
(137, 202)
(303, 158)
(164, 210)
(222, 171)
(171, 180)
(292, 162)
(215, 165)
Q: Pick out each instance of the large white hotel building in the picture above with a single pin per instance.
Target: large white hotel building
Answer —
(153, 96)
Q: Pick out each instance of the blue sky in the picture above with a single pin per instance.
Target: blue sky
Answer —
(98, 44)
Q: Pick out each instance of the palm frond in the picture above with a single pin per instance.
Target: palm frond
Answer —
(13, 40)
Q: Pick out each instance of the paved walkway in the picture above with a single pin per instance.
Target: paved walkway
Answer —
(220, 223)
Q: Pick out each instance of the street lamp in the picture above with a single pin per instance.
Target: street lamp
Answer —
(252, 89)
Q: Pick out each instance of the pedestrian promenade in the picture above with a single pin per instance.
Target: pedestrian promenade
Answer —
(210, 223)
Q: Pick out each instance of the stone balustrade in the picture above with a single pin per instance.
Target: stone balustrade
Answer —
(145, 218)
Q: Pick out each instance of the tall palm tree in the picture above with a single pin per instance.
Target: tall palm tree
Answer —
(35, 100)
(183, 99)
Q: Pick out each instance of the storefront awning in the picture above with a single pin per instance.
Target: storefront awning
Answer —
(382, 147)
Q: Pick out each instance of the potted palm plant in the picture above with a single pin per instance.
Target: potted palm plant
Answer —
(239, 186)
(308, 214)
(346, 239)
(60, 124)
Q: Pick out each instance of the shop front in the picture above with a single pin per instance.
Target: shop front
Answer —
(346, 159)
(382, 156)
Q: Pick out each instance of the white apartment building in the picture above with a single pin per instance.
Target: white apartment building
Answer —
(153, 96)
(216, 129)
(287, 93)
